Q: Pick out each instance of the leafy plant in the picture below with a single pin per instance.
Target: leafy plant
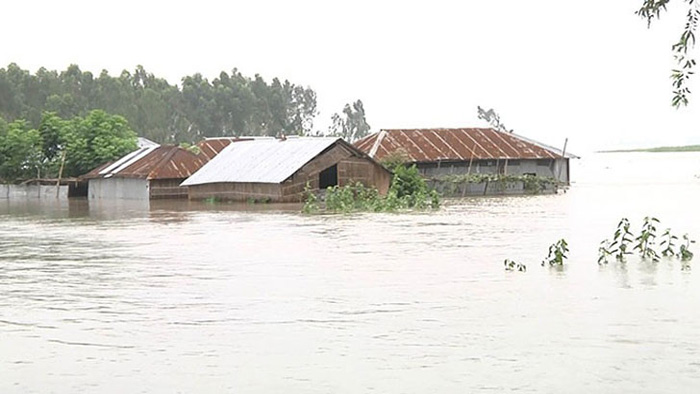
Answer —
(667, 241)
(621, 240)
(557, 253)
(604, 251)
(511, 265)
(408, 190)
(645, 241)
(684, 253)
(311, 200)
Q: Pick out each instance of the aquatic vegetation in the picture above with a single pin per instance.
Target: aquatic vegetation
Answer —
(684, 254)
(511, 265)
(645, 240)
(667, 241)
(557, 254)
(604, 251)
(622, 238)
(645, 244)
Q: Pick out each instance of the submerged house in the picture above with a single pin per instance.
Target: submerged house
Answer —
(278, 170)
(151, 172)
(437, 152)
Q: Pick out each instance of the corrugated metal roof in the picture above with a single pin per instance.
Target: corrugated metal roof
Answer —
(260, 161)
(210, 147)
(429, 145)
(145, 142)
(159, 162)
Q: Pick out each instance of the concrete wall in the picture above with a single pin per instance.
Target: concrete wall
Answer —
(118, 188)
(449, 190)
(539, 167)
(19, 192)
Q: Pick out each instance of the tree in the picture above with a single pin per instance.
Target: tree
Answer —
(229, 105)
(94, 140)
(352, 124)
(650, 10)
(20, 151)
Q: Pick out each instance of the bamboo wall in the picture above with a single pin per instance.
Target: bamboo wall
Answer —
(236, 191)
(167, 188)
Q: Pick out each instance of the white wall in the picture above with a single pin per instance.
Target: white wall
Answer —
(18, 192)
(118, 189)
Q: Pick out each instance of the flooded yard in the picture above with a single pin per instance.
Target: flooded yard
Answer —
(182, 297)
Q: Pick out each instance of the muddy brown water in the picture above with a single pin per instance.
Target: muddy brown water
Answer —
(180, 297)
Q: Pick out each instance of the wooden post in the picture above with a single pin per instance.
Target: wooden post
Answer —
(563, 155)
(60, 174)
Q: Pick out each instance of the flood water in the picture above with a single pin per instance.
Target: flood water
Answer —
(215, 298)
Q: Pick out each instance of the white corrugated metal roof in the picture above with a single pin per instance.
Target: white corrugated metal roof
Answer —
(260, 161)
(127, 160)
(146, 143)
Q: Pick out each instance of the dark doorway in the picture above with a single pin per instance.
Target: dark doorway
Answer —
(328, 177)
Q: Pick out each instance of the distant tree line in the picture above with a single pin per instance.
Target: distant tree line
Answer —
(69, 147)
(229, 105)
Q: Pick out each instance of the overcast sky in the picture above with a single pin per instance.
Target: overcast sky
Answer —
(590, 71)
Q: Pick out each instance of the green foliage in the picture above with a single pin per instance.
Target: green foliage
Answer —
(668, 244)
(310, 200)
(604, 252)
(645, 240)
(192, 148)
(557, 254)
(621, 240)
(650, 10)
(511, 265)
(352, 124)
(20, 152)
(94, 140)
(395, 159)
(87, 142)
(231, 104)
(359, 198)
(684, 253)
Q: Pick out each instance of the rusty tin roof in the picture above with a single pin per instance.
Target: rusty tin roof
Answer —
(153, 162)
(459, 144)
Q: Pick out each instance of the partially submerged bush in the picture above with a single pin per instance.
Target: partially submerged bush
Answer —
(408, 190)
(557, 254)
(645, 244)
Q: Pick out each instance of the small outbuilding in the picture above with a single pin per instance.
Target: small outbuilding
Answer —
(151, 172)
(279, 169)
(437, 152)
